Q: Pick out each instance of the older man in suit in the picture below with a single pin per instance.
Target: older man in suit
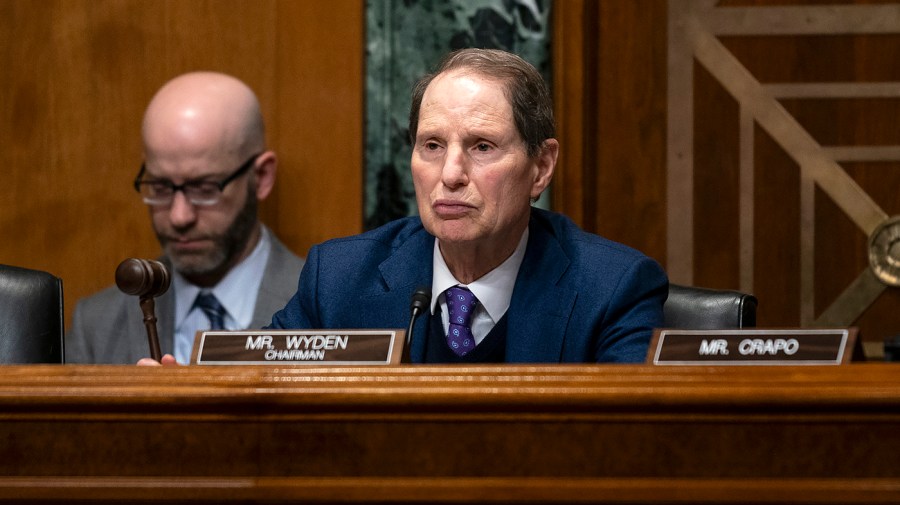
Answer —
(206, 167)
(511, 283)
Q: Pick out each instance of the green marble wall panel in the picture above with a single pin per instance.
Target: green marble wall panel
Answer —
(406, 39)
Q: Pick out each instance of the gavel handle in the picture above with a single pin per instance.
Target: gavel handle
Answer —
(148, 308)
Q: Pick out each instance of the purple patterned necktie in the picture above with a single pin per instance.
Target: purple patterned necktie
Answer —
(461, 304)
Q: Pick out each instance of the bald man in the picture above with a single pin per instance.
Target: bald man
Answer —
(206, 167)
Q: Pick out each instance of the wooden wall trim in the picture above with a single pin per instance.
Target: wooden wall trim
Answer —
(609, 92)
(569, 89)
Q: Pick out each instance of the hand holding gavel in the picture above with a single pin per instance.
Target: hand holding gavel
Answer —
(146, 279)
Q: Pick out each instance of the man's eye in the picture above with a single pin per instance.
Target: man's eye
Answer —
(483, 147)
(159, 186)
(432, 146)
(204, 189)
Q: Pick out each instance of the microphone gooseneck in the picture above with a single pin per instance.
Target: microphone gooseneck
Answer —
(419, 301)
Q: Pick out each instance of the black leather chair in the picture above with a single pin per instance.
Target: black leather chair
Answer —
(693, 308)
(31, 316)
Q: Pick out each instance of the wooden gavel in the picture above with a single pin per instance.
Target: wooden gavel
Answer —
(146, 279)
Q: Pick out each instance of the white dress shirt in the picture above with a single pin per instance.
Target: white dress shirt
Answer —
(493, 290)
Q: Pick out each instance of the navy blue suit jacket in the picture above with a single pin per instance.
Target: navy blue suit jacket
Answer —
(578, 297)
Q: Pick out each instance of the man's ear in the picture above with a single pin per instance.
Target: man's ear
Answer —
(545, 164)
(265, 168)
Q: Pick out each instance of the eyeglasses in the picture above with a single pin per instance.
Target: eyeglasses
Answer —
(161, 192)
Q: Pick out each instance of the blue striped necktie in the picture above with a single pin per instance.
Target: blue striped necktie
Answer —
(214, 310)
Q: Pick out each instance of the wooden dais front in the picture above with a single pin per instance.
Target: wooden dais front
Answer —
(441, 434)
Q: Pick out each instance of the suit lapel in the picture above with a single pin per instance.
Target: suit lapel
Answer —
(278, 283)
(540, 309)
(408, 268)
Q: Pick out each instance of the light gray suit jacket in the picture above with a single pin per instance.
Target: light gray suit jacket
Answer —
(108, 327)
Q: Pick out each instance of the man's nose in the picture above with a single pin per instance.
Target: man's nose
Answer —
(455, 172)
(182, 212)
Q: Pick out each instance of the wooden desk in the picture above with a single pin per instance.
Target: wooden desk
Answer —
(510, 434)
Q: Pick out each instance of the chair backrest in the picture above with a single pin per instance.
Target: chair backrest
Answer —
(693, 308)
(31, 316)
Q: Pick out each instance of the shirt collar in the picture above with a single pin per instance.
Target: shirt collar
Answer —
(493, 290)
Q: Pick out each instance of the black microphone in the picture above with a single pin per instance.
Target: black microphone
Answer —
(421, 297)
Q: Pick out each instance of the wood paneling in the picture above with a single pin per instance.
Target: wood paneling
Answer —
(78, 75)
(508, 434)
(819, 94)
(744, 144)
(776, 238)
(609, 65)
(716, 172)
(631, 187)
(572, 114)
(319, 93)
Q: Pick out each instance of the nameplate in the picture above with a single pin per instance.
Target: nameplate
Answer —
(298, 347)
(752, 347)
